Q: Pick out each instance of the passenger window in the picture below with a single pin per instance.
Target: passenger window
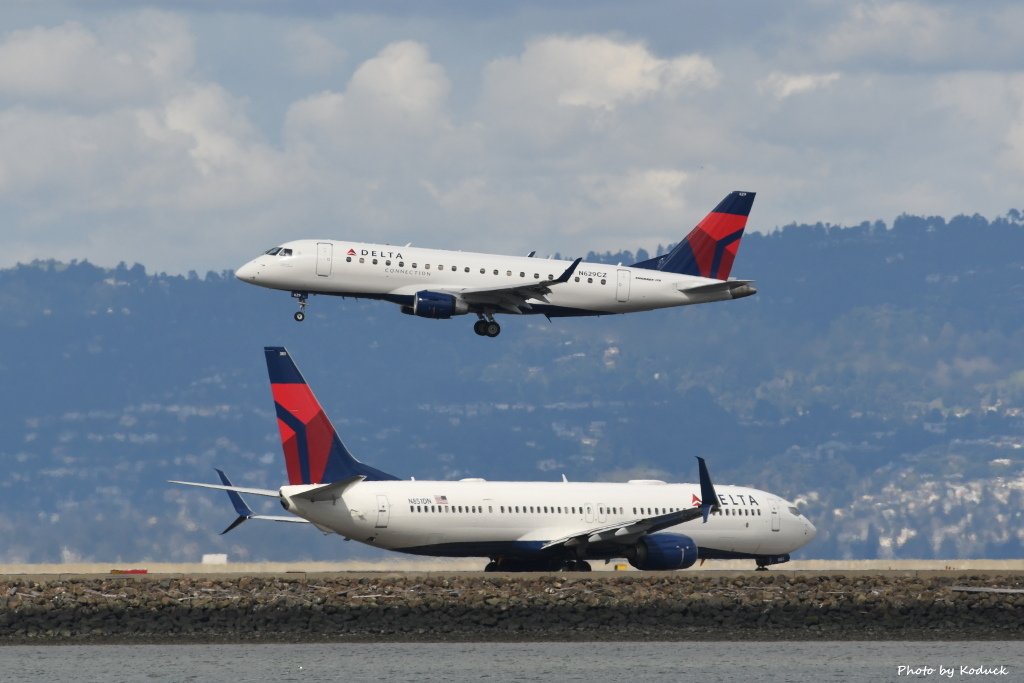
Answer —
(418, 509)
(401, 264)
(362, 260)
(590, 280)
(536, 276)
(426, 266)
(388, 262)
(455, 269)
(495, 271)
(490, 508)
(502, 508)
(522, 274)
(508, 273)
(411, 509)
(482, 271)
(348, 259)
(603, 281)
(374, 261)
(467, 269)
(577, 278)
(412, 265)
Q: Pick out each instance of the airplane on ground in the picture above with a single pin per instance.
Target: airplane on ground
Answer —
(433, 283)
(520, 526)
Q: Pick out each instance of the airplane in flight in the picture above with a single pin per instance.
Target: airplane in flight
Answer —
(520, 526)
(439, 284)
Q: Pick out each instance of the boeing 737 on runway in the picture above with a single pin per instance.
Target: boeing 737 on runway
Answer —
(433, 283)
(520, 526)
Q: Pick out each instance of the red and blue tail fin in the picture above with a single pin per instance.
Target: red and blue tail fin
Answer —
(710, 248)
(313, 452)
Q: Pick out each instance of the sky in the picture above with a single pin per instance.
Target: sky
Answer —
(193, 135)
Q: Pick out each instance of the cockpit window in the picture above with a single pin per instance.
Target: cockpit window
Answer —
(793, 511)
(273, 252)
(285, 252)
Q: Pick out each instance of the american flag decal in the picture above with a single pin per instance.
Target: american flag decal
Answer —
(441, 500)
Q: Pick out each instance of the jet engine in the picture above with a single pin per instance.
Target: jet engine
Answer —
(663, 551)
(427, 304)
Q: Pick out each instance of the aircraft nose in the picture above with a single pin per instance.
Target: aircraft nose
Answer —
(248, 272)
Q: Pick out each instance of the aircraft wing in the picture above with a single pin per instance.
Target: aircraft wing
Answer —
(625, 533)
(512, 298)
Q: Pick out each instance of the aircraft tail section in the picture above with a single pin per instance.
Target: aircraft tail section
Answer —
(313, 451)
(710, 248)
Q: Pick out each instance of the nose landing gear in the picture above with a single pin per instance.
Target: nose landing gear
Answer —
(300, 314)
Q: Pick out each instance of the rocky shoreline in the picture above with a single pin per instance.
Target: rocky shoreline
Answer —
(432, 607)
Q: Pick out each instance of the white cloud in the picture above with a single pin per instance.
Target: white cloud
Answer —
(782, 85)
(556, 80)
(391, 96)
(312, 53)
(130, 60)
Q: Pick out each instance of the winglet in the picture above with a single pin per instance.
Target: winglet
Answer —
(243, 510)
(708, 497)
(564, 277)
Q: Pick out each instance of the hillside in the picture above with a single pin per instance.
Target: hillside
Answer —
(877, 377)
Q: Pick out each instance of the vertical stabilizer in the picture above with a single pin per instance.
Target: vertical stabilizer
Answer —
(313, 452)
(710, 248)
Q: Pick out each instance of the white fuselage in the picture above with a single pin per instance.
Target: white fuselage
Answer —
(477, 518)
(398, 273)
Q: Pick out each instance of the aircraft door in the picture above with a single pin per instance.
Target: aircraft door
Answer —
(622, 286)
(775, 517)
(324, 256)
(383, 511)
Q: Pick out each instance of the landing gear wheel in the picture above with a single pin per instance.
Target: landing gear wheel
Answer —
(761, 568)
(303, 297)
(491, 567)
(478, 327)
(491, 328)
(583, 566)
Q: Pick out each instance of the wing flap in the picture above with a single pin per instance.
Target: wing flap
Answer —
(512, 298)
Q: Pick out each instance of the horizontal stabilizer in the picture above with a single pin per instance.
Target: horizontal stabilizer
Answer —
(330, 491)
(722, 286)
(240, 489)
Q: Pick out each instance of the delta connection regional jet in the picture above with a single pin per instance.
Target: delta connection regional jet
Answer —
(520, 526)
(434, 283)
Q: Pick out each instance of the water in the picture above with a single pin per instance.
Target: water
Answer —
(707, 662)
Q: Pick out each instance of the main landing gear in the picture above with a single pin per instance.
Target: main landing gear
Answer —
(487, 327)
(509, 564)
(300, 314)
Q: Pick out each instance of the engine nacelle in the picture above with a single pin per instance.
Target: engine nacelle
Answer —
(659, 552)
(427, 304)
